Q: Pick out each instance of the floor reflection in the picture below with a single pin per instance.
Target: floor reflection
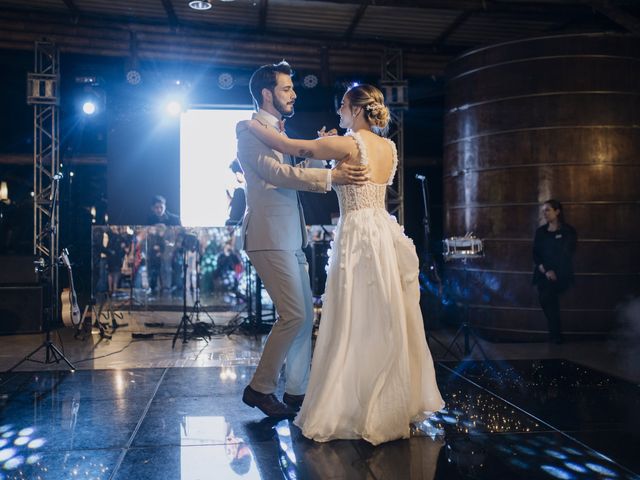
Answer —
(235, 460)
(188, 423)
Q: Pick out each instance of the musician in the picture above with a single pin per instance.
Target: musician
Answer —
(159, 213)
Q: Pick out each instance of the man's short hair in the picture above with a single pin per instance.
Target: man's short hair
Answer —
(158, 199)
(266, 77)
(235, 166)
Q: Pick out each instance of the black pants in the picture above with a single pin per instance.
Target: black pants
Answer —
(549, 296)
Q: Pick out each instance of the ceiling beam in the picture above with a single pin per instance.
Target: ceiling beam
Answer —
(27, 159)
(171, 14)
(542, 7)
(618, 16)
(356, 20)
(103, 37)
(27, 20)
(459, 20)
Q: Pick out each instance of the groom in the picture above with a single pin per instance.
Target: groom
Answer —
(273, 235)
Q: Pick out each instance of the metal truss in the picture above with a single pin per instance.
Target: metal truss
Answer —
(395, 91)
(42, 93)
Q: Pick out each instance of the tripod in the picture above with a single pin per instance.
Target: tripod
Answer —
(465, 327)
(50, 272)
(197, 306)
(96, 312)
(188, 240)
(253, 324)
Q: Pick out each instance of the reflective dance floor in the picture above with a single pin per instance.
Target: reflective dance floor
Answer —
(516, 419)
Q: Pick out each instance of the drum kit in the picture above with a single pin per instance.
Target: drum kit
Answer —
(464, 248)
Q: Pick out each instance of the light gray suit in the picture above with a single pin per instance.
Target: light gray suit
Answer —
(273, 234)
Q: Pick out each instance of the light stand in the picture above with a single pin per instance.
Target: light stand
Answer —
(52, 352)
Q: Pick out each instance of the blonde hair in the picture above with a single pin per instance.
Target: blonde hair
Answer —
(371, 100)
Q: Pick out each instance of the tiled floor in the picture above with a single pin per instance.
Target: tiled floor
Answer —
(134, 413)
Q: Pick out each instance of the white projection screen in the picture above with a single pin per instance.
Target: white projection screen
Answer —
(207, 147)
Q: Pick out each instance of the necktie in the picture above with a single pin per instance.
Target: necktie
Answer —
(281, 125)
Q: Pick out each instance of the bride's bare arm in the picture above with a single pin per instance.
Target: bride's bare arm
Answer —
(325, 148)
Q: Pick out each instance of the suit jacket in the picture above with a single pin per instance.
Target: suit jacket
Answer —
(274, 219)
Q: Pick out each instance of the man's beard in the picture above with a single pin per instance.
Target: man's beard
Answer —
(282, 108)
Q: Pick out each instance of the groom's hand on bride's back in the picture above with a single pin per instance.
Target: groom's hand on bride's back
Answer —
(347, 174)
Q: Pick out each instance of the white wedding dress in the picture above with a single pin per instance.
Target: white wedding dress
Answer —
(372, 372)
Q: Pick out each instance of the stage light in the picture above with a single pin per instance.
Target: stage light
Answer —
(134, 77)
(310, 81)
(226, 81)
(200, 4)
(4, 192)
(89, 108)
(174, 108)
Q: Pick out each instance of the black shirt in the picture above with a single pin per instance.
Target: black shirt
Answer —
(554, 250)
(166, 219)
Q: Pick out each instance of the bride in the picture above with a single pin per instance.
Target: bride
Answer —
(372, 372)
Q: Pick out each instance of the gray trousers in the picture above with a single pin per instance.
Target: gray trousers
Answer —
(285, 275)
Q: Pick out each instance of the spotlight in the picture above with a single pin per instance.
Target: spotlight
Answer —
(174, 108)
(226, 81)
(133, 77)
(200, 4)
(310, 81)
(89, 108)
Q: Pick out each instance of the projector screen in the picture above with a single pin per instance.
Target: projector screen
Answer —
(207, 147)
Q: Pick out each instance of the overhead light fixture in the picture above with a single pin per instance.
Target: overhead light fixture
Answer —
(200, 4)
(226, 81)
(134, 77)
(310, 81)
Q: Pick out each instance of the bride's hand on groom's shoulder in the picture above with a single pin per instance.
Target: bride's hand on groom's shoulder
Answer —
(324, 133)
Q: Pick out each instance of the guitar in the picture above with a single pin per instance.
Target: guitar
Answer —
(71, 316)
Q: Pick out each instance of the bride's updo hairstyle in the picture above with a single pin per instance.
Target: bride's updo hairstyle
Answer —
(373, 108)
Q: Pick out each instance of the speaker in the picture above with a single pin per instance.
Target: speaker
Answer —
(17, 269)
(20, 309)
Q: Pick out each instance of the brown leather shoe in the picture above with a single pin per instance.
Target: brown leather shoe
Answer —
(294, 401)
(268, 404)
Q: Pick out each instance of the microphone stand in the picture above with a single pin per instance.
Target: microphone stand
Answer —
(432, 268)
(52, 352)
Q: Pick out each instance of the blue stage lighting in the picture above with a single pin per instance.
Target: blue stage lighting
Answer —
(89, 108)
(174, 107)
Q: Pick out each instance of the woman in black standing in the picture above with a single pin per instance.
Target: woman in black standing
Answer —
(553, 248)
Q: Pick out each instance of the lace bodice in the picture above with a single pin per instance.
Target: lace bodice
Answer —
(369, 195)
